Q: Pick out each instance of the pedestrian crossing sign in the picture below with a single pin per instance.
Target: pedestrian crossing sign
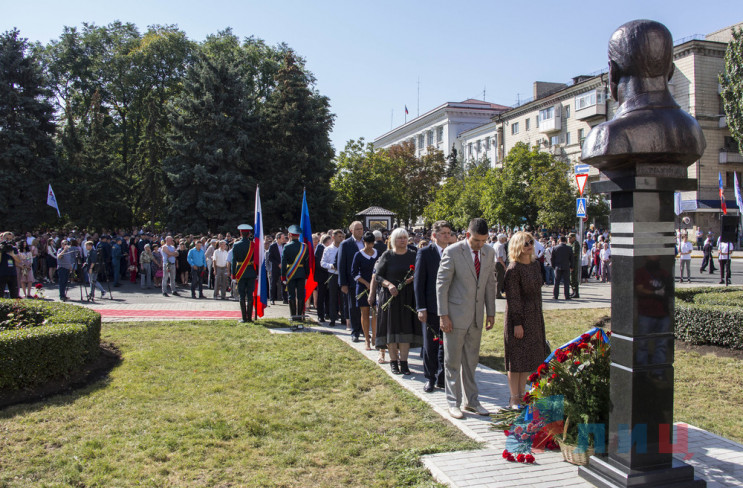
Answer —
(580, 204)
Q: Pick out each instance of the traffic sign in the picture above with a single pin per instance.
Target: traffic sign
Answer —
(582, 169)
(580, 207)
(581, 180)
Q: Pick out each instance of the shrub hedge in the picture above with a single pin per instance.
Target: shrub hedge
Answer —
(69, 336)
(710, 316)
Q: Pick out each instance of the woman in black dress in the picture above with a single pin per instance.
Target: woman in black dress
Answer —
(362, 269)
(398, 328)
(523, 333)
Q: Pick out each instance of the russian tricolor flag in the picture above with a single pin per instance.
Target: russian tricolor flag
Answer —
(310, 284)
(260, 295)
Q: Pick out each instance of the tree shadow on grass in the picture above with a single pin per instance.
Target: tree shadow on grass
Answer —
(497, 363)
(92, 376)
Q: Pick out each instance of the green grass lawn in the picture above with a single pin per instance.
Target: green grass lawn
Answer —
(708, 391)
(214, 404)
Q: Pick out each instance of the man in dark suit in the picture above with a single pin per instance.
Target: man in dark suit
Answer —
(294, 265)
(379, 244)
(347, 251)
(275, 251)
(426, 269)
(562, 261)
(321, 277)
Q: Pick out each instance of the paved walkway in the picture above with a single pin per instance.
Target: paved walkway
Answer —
(717, 460)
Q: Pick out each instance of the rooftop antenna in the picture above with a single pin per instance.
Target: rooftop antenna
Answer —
(392, 113)
(419, 97)
(483, 93)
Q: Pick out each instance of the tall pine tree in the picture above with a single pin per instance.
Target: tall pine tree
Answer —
(295, 150)
(213, 119)
(27, 162)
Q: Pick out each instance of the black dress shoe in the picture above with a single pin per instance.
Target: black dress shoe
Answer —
(576, 296)
(428, 387)
(394, 367)
(404, 368)
(440, 385)
(355, 339)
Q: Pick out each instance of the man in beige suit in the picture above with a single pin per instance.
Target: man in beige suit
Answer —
(465, 289)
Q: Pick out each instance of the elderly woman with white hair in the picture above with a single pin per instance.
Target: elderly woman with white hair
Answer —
(397, 329)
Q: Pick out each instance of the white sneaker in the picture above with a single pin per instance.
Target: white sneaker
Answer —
(456, 413)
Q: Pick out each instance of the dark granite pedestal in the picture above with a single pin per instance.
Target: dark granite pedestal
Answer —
(642, 287)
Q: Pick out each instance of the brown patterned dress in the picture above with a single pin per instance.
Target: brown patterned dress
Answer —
(524, 307)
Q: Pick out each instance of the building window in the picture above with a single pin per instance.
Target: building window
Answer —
(547, 113)
(567, 111)
(514, 128)
(440, 134)
(421, 141)
(430, 138)
(554, 140)
(477, 146)
(730, 179)
(528, 123)
(469, 149)
(730, 144)
(581, 136)
(589, 99)
(567, 138)
(487, 144)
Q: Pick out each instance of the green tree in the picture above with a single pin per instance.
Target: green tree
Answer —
(731, 81)
(364, 177)
(417, 179)
(212, 172)
(459, 200)
(531, 188)
(295, 150)
(27, 162)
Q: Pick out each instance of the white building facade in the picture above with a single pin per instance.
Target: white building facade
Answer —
(440, 128)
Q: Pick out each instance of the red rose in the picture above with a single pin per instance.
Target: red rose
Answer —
(529, 459)
(412, 266)
(542, 368)
(511, 458)
(527, 398)
(506, 453)
(577, 363)
(507, 433)
(585, 337)
(533, 377)
(554, 376)
(521, 458)
(39, 286)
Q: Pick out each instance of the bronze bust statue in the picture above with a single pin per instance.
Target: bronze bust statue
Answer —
(649, 127)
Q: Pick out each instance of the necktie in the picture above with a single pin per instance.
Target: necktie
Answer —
(477, 264)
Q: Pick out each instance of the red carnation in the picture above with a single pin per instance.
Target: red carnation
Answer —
(507, 433)
(39, 286)
(542, 368)
(577, 363)
(527, 398)
(506, 453)
(533, 377)
(554, 375)
(412, 266)
(529, 458)
(511, 458)
(521, 458)
(585, 337)
(608, 333)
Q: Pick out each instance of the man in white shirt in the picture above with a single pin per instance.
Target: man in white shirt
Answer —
(169, 254)
(724, 254)
(328, 262)
(685, 250)
(221, 270)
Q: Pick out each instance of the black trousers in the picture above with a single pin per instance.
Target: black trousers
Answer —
(708, 260)
(500, 278)
(433, 352)
(354, 312)
(276, 291)
(295, 290)
(322, 299)
(333, 299)
(724, 270)
(196, 281)
(561, 276)
(12, 282)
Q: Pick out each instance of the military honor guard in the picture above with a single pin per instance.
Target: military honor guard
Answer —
(244, 270)
(294, 263)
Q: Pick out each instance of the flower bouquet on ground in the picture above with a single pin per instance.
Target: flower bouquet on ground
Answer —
(39, 291)
(568, 403)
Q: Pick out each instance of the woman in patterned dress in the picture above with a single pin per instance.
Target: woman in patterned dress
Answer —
(523, 332)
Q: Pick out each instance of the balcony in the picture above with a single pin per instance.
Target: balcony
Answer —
(596, 110)
(730, 157)
(590, 104)
(550, 119)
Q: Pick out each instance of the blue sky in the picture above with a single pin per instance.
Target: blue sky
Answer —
(368, 56)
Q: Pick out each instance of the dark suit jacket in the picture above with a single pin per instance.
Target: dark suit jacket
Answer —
(426, 268)
(562, 257)
(321, 274)
(380, 246)
(345, 256)
(274, 257)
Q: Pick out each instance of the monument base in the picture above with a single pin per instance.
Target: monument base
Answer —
(603, 473)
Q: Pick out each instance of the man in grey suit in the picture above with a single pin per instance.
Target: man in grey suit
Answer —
(465, 289)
